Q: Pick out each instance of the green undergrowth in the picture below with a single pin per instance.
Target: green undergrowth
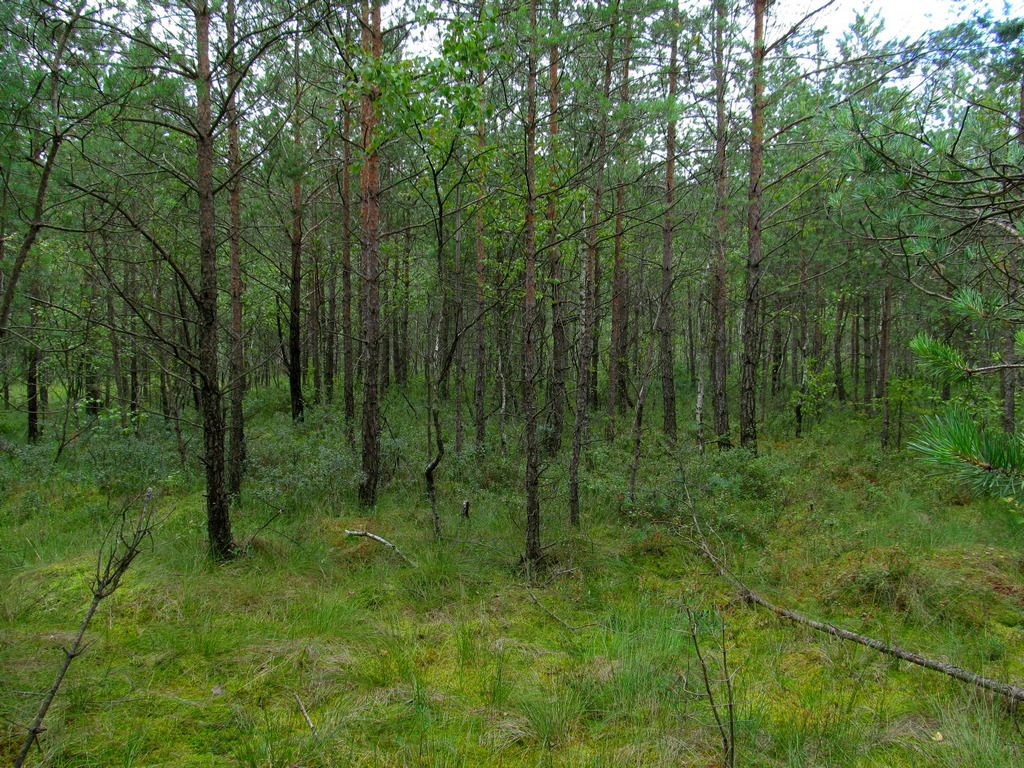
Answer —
(314, 648)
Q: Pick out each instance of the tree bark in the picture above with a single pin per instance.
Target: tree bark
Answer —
(559, 321)
(588, 324)
(869, 355)
(532, 450)
(666, 318)
(480, 353)
(883, 361)
(748, 374)
(717, 370)
(369, 183)
(218, 520)
(347, 332)
(837, 350)
(236, 359)
(298, 402)
(617, 360)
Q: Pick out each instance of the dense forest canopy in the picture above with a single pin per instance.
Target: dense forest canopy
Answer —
(537, 215)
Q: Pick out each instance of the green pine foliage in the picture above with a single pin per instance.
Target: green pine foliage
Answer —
(986, 461)
(939, 360)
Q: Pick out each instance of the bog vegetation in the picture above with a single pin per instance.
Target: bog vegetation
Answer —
(508, 384)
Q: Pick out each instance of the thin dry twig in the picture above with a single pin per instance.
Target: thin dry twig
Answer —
(121, 545)
(385, 542)
(562, 621)
(302, 708)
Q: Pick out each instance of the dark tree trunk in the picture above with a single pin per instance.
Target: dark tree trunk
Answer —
(869, 354)
(666, 319)
(837, 350)
(1008, 384)
(883, 362)
(218, 520)
(717, 369)
(559, 320)
(748, 374)
(480, 355)
(295, 277)
(315, 344)
(532, 450)
(32, 391)
(402, 368)
(236, 359)
(347, 331)
(369, 183)
(588, 317)
(617, 362)
(855, 360)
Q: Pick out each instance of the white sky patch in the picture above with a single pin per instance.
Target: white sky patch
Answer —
(903, 18)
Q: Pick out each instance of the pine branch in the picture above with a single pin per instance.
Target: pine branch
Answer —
(990, 463)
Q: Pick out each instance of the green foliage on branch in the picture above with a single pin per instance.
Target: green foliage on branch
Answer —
(988, 462)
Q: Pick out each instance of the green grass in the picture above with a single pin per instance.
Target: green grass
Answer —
(459, 661)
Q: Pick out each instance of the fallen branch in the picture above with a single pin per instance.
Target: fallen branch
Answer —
(1012, 692)
(562, 621)
(121, 545)
(305, 714)
(385, 542)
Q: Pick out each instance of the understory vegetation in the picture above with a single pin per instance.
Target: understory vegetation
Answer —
(316, 648)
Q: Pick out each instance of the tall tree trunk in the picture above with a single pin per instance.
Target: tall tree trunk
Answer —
(588, 319)
(459, 347)
(837, 349)
(1008, 382)
(617, 362)
(748, 374)
(883, 362)
(32, 357)
(666, 319)
(402, 372)
(480, 355)
(855, 360)
(315, 344)
(236, 358)
(369, 183)
(295, 276)
(532, 481)
(218, 520)
(559, 320)
(347, 331)
(869, 355)
(718, 367)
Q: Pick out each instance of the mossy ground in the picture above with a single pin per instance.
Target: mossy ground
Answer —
(467, 660)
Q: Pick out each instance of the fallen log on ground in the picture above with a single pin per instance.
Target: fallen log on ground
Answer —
(1013, 692)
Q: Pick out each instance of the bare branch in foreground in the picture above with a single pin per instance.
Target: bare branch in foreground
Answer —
(121, 545)
(1012, 692)
(385, 542)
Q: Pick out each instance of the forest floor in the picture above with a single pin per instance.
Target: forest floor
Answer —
(321, 649)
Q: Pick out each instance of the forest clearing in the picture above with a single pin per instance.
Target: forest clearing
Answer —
(509, 384)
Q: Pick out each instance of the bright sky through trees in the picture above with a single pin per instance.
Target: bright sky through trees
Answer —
(903, 18)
